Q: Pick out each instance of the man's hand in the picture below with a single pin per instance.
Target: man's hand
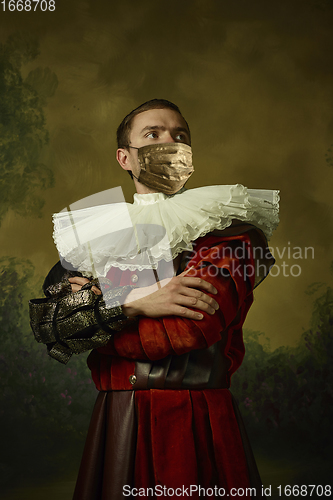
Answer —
(169, 297)
(77, 283)
(172, 296)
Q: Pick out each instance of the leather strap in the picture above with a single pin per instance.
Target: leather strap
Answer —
(198, 369)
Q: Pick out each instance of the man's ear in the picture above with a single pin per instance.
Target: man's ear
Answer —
(123, 159)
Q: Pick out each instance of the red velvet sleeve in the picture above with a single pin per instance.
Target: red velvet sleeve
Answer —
(228, 265)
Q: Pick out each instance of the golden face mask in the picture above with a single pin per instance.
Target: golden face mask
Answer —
(165, 167)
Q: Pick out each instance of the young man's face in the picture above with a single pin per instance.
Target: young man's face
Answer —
(156, 126)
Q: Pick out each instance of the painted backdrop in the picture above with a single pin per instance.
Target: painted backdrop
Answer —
(255, 83)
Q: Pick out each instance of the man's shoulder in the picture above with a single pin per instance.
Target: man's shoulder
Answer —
(234, 231)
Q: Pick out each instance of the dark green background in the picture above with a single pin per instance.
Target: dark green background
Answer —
(254, 79)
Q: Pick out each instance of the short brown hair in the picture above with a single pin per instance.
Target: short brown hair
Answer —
(124, 129)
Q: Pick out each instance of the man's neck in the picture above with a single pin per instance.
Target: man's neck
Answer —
(142, 189)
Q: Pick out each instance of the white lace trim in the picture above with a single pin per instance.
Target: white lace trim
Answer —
(157, 226)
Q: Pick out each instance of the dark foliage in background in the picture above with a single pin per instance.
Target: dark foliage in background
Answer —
(22, 127)
(286, 396)
(45, 406)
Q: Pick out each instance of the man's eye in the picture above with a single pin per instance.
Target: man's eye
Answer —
(180, 137)
(152, 135)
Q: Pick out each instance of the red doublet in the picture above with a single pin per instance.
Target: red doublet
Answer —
(188, 434)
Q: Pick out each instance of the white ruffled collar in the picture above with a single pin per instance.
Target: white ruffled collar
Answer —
(157, 226)
(149, 198)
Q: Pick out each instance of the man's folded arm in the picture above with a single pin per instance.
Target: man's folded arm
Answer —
(229, 266)
(70, 322)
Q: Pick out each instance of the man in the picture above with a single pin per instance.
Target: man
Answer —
(164, 421)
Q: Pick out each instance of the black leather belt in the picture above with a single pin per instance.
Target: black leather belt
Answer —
(198, 369)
